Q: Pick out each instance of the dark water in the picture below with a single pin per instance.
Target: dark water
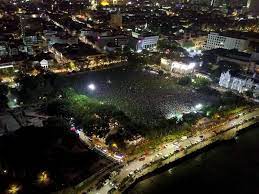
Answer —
(227, 168)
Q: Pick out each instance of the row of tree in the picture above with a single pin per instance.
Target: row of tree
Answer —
(94, 117)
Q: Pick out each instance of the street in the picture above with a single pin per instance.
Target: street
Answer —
(169, 149)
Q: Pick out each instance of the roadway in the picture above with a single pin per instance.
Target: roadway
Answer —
(169, 149)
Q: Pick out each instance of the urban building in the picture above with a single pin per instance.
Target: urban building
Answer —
(95, 3)
(143, 41)
(4, 49)
(247, 62)
(112, 42)
(54, 37)
(177, 67)
(240, 84)
(82, 55)
(215, 40)
(116, 20)
(253, 7)
(43, 60)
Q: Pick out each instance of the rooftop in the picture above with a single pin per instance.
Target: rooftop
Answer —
(78, 51)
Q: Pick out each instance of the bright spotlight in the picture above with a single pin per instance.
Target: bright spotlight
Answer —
(91, 87)
(198, 106)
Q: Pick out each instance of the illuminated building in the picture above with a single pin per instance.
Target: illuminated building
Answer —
(237, 83)
(215, 41)
(105, 3)
(94, 3)
(143, 41)
(177, 67)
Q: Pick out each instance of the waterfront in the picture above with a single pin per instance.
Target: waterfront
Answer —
(229, 167)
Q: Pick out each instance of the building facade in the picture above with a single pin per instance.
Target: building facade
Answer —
(143, 41)
(177, 67)
(215, 41)
(238, 84)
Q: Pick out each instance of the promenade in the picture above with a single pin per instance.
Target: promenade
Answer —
(171, 152)
(127, 173)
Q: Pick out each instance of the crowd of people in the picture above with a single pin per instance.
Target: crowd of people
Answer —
(143, 95)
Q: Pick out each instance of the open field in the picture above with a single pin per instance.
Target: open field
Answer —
(143, 95)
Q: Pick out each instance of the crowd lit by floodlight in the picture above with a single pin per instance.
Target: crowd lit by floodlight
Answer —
(91, 87)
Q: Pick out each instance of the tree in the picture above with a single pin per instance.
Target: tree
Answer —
(184, 81)
(200, 82)
(35, 88)
(3, 97)
(249, 93)
(188, 44)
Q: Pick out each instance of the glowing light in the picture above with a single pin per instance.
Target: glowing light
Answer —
(198, 106)
(14, 189)
(91, 87)
(120, 157)
(43, 177)
(182, 66)
(105, 3)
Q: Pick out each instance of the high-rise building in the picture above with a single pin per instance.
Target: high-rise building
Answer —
(141, 41)
(216, 40)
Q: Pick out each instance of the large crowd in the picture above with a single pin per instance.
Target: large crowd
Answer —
(144, 96)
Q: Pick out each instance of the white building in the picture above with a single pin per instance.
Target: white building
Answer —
(177, 67)
(215, 41)
(44, 64)
(238, 84)
(144, 41)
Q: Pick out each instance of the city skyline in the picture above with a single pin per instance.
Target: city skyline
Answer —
(129, 96)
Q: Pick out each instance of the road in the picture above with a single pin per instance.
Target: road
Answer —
(102, 151)
(169, 149)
